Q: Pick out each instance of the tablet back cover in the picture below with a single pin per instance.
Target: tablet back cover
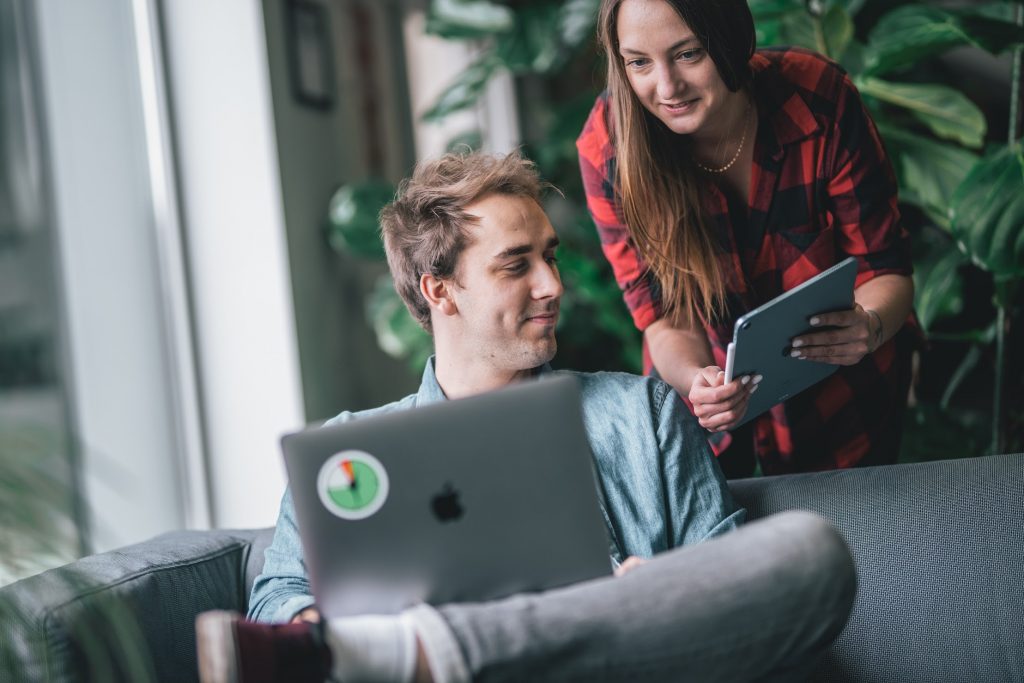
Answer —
(763, 336)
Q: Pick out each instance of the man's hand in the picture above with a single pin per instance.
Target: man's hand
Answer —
(857, 332)
(630, 563)
(719, 406)
(310, 614)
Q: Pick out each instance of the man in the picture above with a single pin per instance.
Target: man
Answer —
(473, 256)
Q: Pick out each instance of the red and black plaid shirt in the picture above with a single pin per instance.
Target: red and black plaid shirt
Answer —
(822, 188)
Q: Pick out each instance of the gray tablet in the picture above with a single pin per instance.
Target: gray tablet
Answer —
(761, 338)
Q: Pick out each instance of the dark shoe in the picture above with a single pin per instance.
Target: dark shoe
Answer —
(235, 650)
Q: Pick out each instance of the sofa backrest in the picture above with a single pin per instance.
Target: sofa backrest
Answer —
(125, 615)
(939, 549)
(254, 567)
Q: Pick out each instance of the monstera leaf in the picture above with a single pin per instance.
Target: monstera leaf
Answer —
(987, 213)
(929, 170)
(945, 110)
(468, 18)
(398, 333)
(914, 32)
(353, 217)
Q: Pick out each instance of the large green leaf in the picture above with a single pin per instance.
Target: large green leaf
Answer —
(837, 30)
(577, 21)
(987, 213)
(773, 9)
(353, 217)
(938, 289)
(913, 32)
(908, 34)
(993, 35)
(945, 110)
(536, 44)
(398, 333)
(929, 171)
(468, 18)
(466, 89)
(800, 29)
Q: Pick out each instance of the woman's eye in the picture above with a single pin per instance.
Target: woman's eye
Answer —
(636, 63)
(690, 55)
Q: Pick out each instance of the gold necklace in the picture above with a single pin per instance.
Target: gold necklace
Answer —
(743, 140)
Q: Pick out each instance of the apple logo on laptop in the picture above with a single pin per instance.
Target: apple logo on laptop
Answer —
(445, 505)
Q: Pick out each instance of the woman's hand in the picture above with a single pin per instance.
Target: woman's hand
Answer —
(719, 406)
(856, 333)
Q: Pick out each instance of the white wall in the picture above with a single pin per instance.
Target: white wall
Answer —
(320, 149)
(232, 210)
(120, 380)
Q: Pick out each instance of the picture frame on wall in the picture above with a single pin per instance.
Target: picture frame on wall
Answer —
(310, 54)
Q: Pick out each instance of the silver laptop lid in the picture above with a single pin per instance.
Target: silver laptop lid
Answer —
(463, 500)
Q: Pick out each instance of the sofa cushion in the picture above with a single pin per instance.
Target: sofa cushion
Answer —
(125, 615)
(254, 566)
(939, 549)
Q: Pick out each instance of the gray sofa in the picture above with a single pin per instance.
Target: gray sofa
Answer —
(939, 549)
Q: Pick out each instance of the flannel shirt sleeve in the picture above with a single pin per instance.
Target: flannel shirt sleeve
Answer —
(863, 193)
(597, 159)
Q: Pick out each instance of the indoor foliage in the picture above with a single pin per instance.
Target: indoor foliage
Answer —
(961, 191)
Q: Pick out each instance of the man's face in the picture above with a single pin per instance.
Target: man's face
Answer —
(507, 286)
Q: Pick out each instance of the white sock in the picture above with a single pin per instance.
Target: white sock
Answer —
(372, 649)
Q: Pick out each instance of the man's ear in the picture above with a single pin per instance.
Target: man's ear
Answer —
(438, 294)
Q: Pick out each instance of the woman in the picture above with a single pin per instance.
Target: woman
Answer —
(720, 177)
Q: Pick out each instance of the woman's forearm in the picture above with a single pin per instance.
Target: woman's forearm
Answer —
(678, 353)
(891, 297)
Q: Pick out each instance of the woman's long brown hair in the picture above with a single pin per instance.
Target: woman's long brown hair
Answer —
(655, 175)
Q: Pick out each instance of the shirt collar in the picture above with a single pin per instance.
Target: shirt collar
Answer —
(431, 392)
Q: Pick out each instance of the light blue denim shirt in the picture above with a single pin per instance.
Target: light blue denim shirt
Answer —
(661, 485)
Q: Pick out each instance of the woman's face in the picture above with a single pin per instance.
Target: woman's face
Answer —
(671, 73)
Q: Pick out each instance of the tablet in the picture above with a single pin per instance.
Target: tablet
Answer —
(761, 338)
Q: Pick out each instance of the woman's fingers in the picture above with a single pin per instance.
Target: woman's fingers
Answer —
(726, 419)
(840, 354)
(845, 344)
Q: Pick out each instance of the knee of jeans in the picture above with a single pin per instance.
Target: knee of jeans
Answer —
(823, 549)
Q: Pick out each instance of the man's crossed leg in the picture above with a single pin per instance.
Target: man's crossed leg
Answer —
(760, 603)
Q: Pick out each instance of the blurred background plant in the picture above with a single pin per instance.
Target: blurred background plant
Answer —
(961, 186)
(40, 528)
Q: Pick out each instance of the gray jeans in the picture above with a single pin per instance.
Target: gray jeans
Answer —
(760, 603)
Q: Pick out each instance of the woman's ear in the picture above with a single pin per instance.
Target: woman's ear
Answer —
(438, 294)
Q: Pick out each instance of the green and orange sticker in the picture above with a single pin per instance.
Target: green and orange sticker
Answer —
(352, 484)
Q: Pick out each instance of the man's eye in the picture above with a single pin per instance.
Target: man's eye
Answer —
(517, 267)
(551, 259)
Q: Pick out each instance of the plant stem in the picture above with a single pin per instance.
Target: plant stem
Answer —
(997, 407)
(1018, 53)
(1003, 301)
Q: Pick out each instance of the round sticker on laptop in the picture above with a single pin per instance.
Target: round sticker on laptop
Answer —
(352, 484)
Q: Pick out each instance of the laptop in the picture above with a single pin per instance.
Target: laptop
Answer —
(465, 500)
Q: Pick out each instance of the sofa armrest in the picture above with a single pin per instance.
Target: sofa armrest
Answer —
(939, 549)
(122, 615)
